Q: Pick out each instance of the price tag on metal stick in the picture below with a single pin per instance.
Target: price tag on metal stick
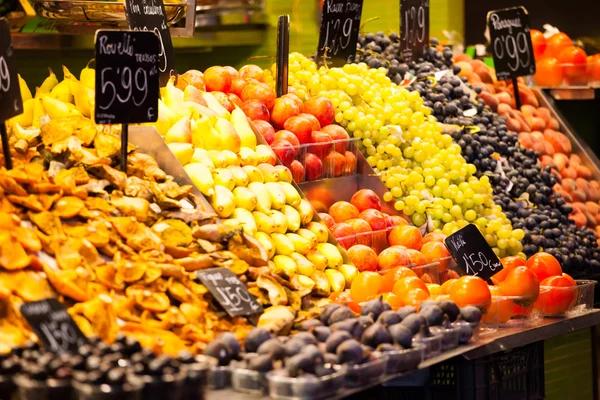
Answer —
(229, 291)
(511, 45)
(338, 35)
(53, 325)
(149, 15)
(470, 250)
(11, 103)
(283, 54)
(414, 28)
(126, 80)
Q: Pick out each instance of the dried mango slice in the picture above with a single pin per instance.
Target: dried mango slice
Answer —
(131, 271)
(68, 207)
(173, 232)
(132, 206)
(12, 254)
(107, 276)
(28, 239)
(64, 283)
(86, 131)
(11, 186)
(44, 188)
(48, 200)
(58, 129)
(30, 202)
(151, 275)
(47, 222)
(8, 222)
(152, 301)
(107, 144)
(67, 256)
(180, 293)
(97, 203)
(277, 295)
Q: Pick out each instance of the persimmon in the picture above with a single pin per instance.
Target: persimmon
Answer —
(346, 298)
(393, 300)
(470, 290)
(414, 297)
(574, 61)
(434, 289)
(508, 263)
(392, 276)
(407, 283)
(521, 281)
(446, 286)
(548, 72)
(560, 297)
(364, 285)
(501, 308)
(538, 40)
(556, 43)
(544, 265)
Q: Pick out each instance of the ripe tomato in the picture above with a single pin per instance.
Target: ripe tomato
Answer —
(407, 283)
(501, 308)
(521, 281)
(470, 290)
(556, 43)
(365, 285)
(508, 263)
(394, 275)
(548, 72)
(574, 61)
(558, 299)
(544, 265)
(539, 43)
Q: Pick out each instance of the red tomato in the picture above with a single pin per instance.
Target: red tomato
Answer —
(561, 296)
(548, 72)
(508, 263)
(539, 43)
(574, 61)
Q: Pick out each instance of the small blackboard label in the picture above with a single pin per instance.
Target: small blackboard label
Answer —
(53, 325)
(150, 15)
(338, 35)
(511, 42)
(229, 291)
(11, 103)
(126, 77)
(414, 28)
(470, 250)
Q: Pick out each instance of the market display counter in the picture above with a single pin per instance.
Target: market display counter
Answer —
(489, 342)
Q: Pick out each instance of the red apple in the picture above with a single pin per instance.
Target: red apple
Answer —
(284, 151)
(297, 171)
(316, 126)
(322, 144)
(365, 199)
(339, 134)
(256, 110)
(252, 71)
(217, 78)
(224, 100)
(375, 218)
(296, 99)
(334, 164)
(265, 129)
(237, 85)
(232, 71)
(301, 127)
(314, 167)
(259, 91)
(350, 163)
(283, 109)
(289, 136)
(321, 108)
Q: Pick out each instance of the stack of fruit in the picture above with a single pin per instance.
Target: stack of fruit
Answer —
(247, 188)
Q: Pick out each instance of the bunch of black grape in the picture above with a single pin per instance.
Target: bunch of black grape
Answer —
(521, 187)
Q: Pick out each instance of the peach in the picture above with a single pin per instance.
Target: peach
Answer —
(389, 222)
(237, 86)
(363, 257)
(314, 167)
(350, 163)
(338, 134)
(592, 207)
(416, 257)
(375, 219)
(326, 219)
(360, 226)
(582, 184)
(574, 159)
(528, 110)
(583, 172)
(316, 126)
(561, 160)
(436, 251)
(232, 71)
(322, 144)
(288, 136)
(265, 129)
(252, 71)
(322, 108)
(392, 257)
(505, 98)
(259, 91)
(235, 99)
(559, 141)
(407, 235)
(398, 220)
(579, 195)
(434, 237)
(568, 172)
(284, 151)
(548, 149)
(365, 199)
(254, 109)
(344, 234)
(594, 193)
(553, 124)
(217, 79)
(301, 127)
(223, 99)
(547, 161)
(342, 211)
(334, 164)
(296, 99)
(283, 109)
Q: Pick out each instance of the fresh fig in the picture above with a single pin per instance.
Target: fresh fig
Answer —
(470, 314)
(340, 314)
(327, 311)
(375, 335)
(450, 309)
(405, 311)
(433, 315)
(322, 333)
(374, 308)
(273, 347)
(255, 338)
(349, 352)
(388, 318)
(414, 322)
(335, 339)
(401, 335)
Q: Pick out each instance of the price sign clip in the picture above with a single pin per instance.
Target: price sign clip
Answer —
(338, 35)
(11, 103)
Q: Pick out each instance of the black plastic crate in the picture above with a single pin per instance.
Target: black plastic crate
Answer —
(516, 374)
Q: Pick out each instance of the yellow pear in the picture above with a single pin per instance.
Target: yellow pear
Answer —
(201, 156)
(265, 154)
(24, 119)
(181, 132)
(242, 127)
(166, 118)
(204, 135)
(217, 158)
(266, 242)
(49, 83)
(224, 177)
(61, 92)
(231, 157)
(84, 97)
(214, 105)
(25, 92)
(202, 178)
(223, 201)
(38, 109)
(336, 280)
(246, 220)
(334, 257)
(183, 151)
(248, 156)
(199, 111)
(229, 137)
(191, 94)
(58, 109)
(173, 98)
(87, 76)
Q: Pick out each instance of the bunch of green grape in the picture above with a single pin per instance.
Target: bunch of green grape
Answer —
(427, 176)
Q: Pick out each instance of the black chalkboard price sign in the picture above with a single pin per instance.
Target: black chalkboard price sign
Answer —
(511, 46)
(338, 35)
(229, 291)
(53, 325)
(470, 250)
(149, 15)
(414, 28)
(11, 103)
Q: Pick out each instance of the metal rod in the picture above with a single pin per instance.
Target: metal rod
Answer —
(517, 95)
(283, 54)
(5, 148)
(124, 143)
